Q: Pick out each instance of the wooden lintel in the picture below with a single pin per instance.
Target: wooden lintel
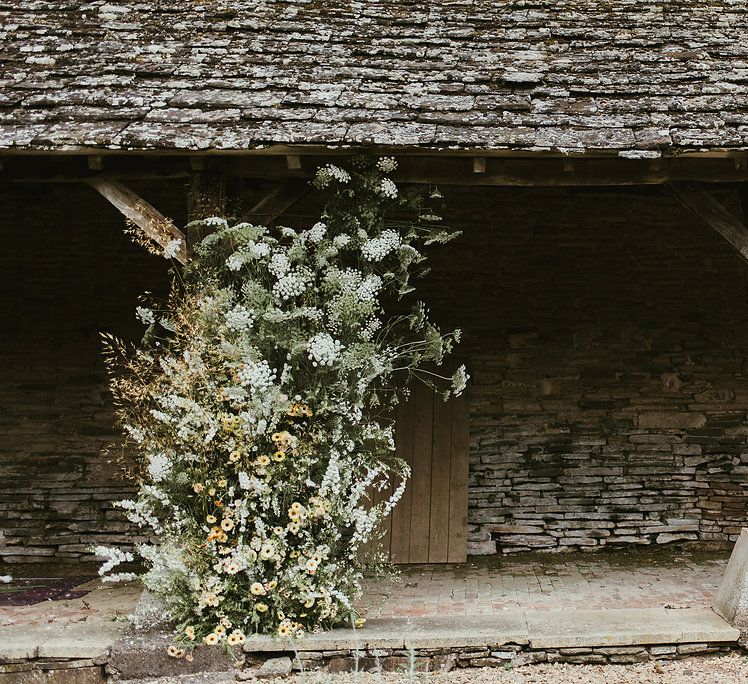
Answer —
(698, 200)
(152, 222)
(124, 175)
(526, 172)
(277, 201)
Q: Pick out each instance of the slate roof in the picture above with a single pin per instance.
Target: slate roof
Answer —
(629, 77)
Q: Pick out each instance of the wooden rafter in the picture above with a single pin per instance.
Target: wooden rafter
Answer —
(700, 202)
(152, 222)
(277, 201)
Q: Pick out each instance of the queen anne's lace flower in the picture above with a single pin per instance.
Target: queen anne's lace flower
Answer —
(324, 350)
(328, 173)
(317, 232)
(239, 318)
(236, 261)
(172, 248)
(378, 248)
(159, 466)
(388, 189)
(279, 264)
(290, 285)
(341, 240)
(387, 164)
(257, 376)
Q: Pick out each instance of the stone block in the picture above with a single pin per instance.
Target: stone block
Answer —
(667, 538)
(731, 601)
(274, 667)
(672, 420)
(139, 655)
(482, 548)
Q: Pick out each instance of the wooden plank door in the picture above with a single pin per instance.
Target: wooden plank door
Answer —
(429, 524)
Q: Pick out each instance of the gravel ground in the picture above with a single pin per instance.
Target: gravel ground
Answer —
(731, 669)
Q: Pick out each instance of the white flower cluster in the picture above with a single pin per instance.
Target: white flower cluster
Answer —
(240, 318)
(340, 241)
(326, 174)
(388, 189)
(370, 288)
(146, 316)
(172, 248)
(112, 557)
(251, 251)
(459, 381)
(159, 466)
(387, 164)
(257, 376)
(324, 350)
(378, 248)
(279, 264)
(236, 261)
(317, 232)
(292, 284)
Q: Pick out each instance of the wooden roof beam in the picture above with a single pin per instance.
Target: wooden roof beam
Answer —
(277, 201)
(698, 200)
(133, 207)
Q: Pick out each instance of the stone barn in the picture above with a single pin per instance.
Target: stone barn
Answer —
(595, 161)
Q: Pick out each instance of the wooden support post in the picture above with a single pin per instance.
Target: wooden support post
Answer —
(479, 164)
(743, 194)
(152, 222)
(95, 162)
(207, 189)
(293, 161)
(698, 201)
(277, 201)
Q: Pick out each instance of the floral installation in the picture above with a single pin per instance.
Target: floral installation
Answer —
(260, 405)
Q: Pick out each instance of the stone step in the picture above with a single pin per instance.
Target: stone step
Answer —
(536, 629)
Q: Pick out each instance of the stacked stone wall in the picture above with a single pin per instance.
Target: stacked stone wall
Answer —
(607, 336)
(605, 330)
(67, 273)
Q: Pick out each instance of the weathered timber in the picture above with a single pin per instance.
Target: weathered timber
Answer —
(277, 201)
(451, 169)
(153, 224)
(743, 194)
(697, 200)
(207, 196)
(446, 168)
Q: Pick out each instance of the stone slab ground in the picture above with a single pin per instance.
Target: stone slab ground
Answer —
(64, 641)
(575, 608)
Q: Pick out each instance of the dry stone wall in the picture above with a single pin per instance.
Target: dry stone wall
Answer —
(606, 335)
(67, 273)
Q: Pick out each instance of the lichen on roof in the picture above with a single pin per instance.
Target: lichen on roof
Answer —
(629, 77)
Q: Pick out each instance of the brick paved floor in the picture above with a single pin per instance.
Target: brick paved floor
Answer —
(662, 577)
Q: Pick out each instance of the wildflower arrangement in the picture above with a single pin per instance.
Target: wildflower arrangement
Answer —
(259, 405)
